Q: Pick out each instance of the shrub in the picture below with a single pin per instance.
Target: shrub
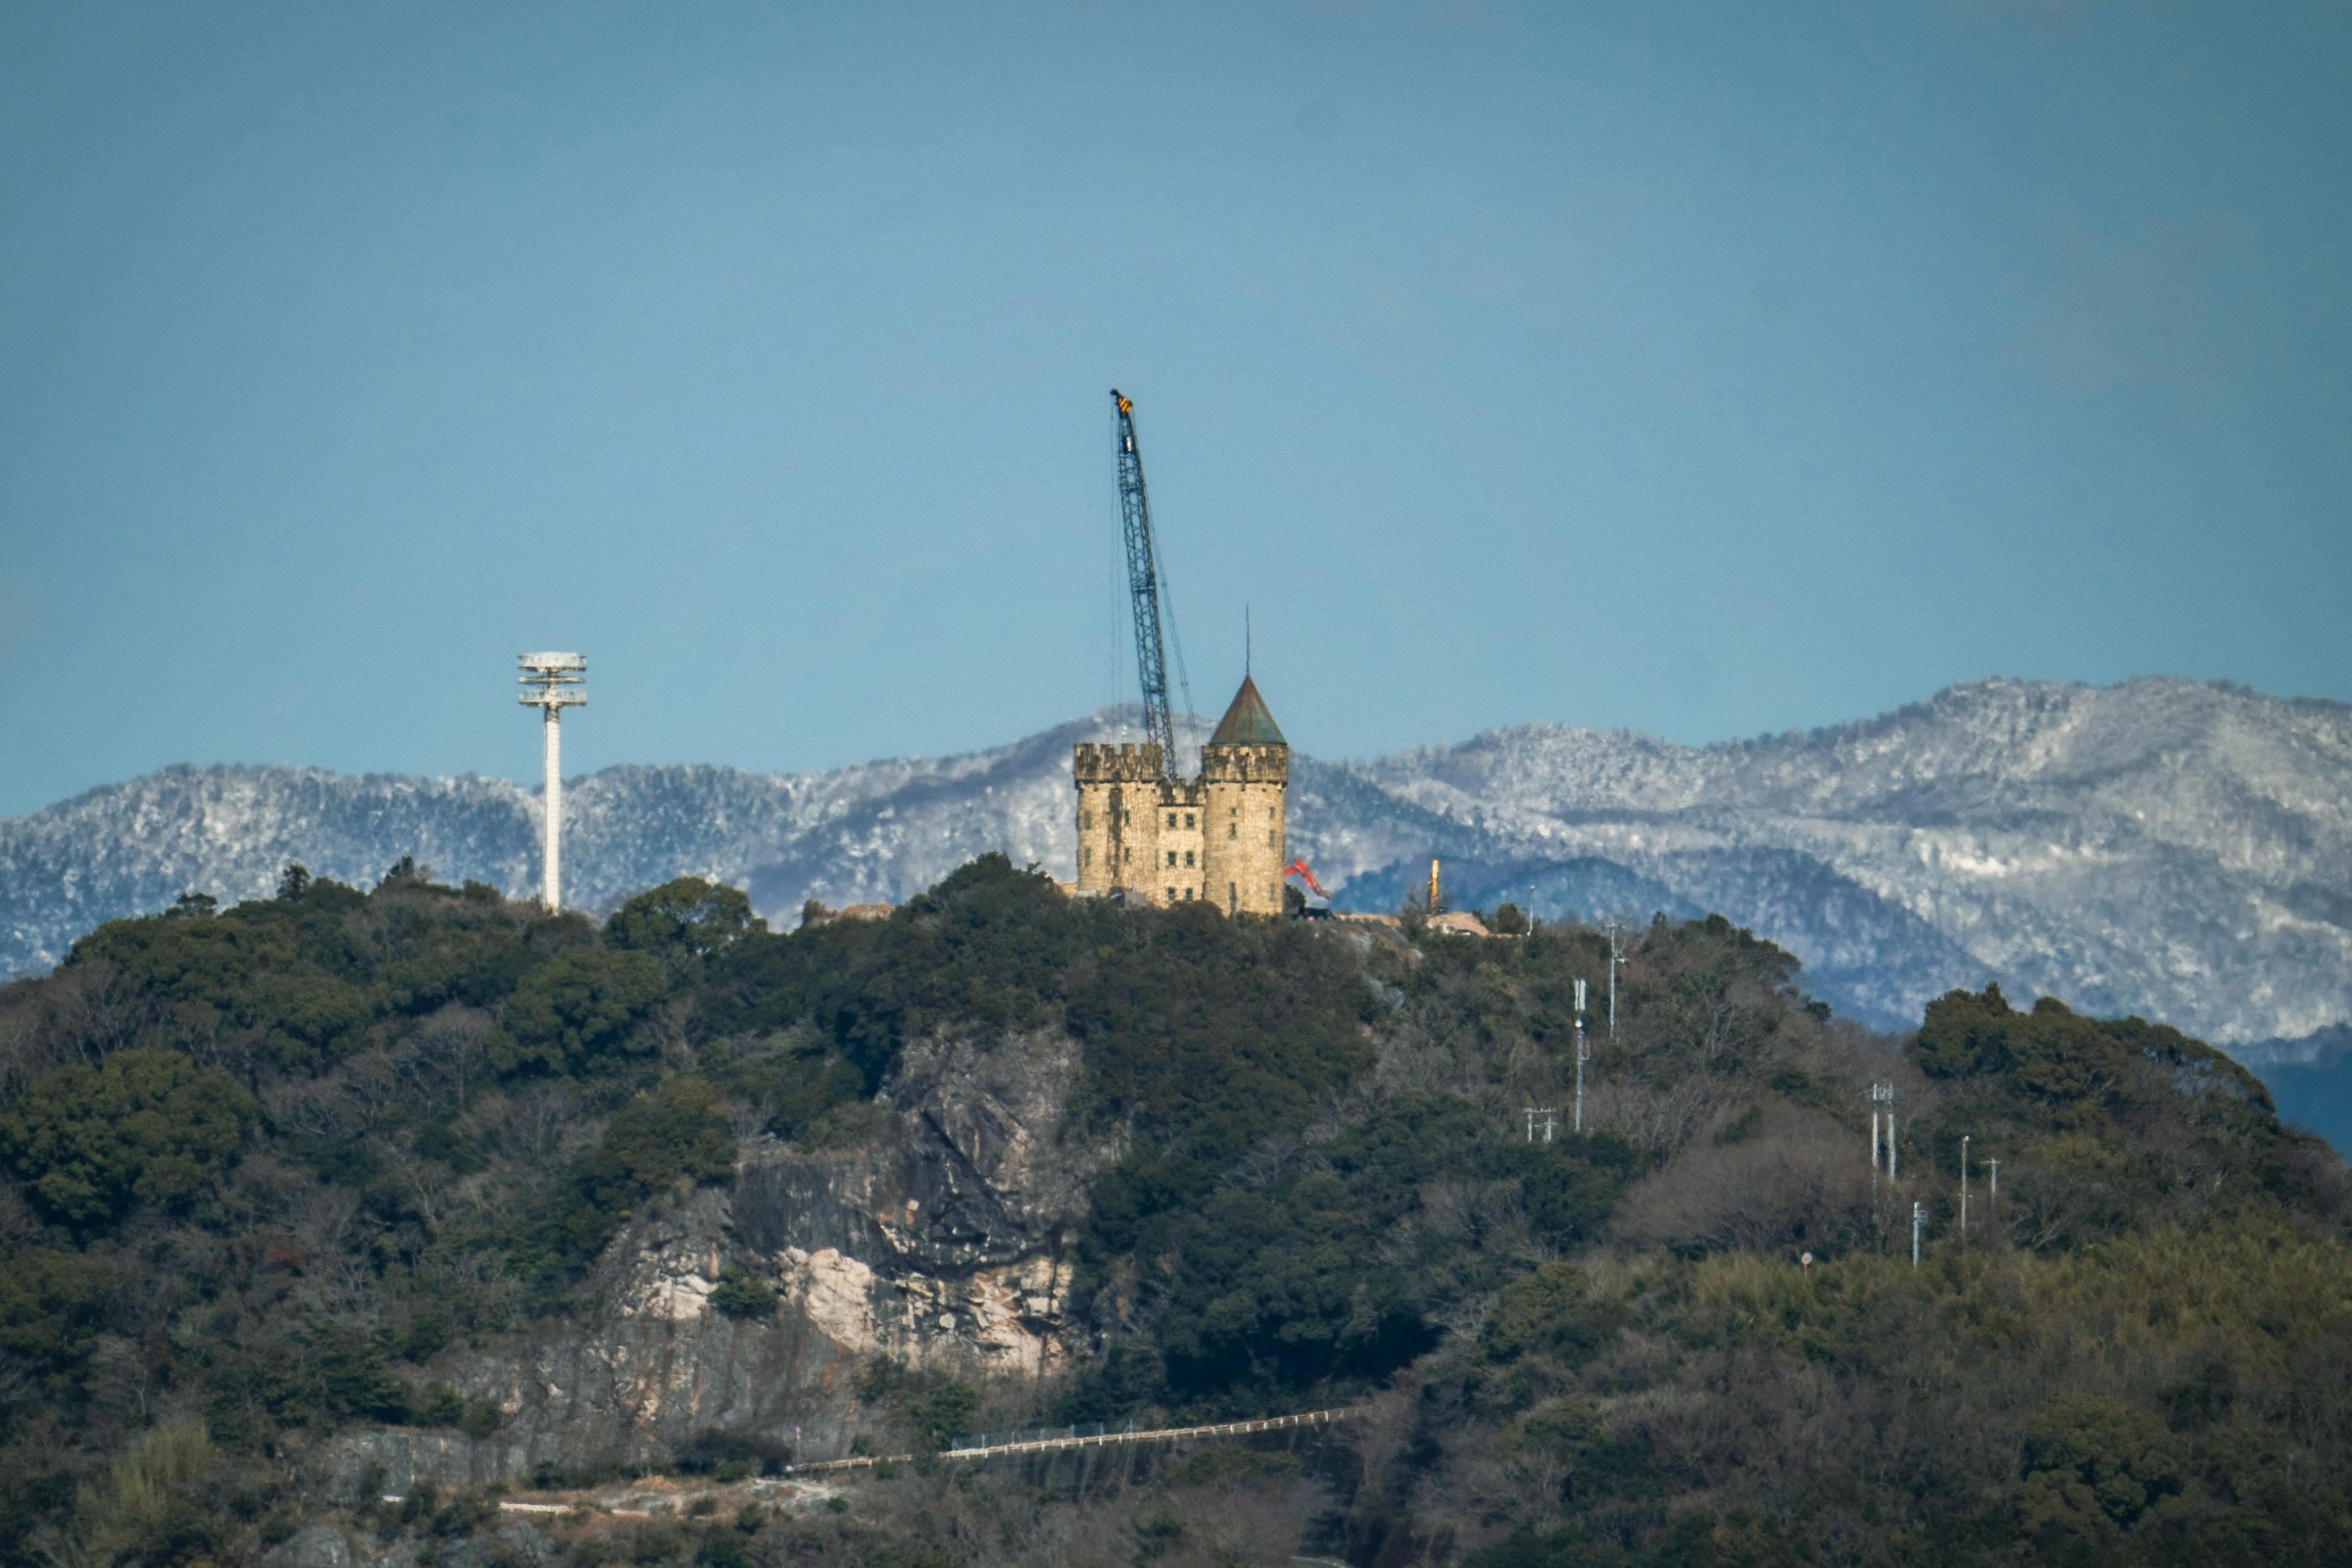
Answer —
(740, 1293)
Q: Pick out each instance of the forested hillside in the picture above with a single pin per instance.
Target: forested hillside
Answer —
(279, 1176)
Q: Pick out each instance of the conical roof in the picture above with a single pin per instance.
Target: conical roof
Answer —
(1247, 722)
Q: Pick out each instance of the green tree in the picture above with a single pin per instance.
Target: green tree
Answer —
(1552, 1312)
(573, 1012)
(683, 920)
(153, 1509)
(676, 1130)
(149, 1126)
(2090, 1460)
(49, 1302)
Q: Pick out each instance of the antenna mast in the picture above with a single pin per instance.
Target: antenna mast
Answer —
(1143, 590)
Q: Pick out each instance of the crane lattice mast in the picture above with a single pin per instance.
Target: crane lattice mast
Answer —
(1143, 589)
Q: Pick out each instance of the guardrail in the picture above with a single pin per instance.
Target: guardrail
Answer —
(1092, 1440)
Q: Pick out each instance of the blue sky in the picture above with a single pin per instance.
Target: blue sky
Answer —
(1703, 370)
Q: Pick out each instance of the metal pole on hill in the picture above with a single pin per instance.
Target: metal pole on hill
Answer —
(1964, 1192)
(1615, 958)
(1917, 1218)
(1579, 1056)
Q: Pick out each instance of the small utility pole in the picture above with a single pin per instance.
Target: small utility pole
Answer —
(1579, 1056)
(1917, 1219)
(1882, 1094)
(1615, 958)
(1964, 1192)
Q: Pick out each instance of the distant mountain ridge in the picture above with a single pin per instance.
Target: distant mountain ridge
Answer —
(2178, 849)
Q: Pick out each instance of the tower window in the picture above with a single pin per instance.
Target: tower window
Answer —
(1171, 819)
(1172, 895)
(1188, 857)
(1232, 830)
(1086, 857)
(1172, 856)
(1269, 838)
(1085, 819)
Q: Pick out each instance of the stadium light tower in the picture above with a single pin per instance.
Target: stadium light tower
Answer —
(551, 683)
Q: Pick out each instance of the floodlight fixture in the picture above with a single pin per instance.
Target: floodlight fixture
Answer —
(551, 683)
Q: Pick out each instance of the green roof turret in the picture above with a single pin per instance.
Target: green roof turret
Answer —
(1247, 722)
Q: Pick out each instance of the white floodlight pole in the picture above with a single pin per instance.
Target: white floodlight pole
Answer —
(551, 683)
(1916, 1219)
(1890, 1134)
(1994, 1195)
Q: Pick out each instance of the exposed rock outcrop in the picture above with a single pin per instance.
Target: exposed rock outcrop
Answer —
(939, 1243)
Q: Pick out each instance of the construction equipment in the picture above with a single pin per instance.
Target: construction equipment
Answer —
(1298, 868)
(1143, 588)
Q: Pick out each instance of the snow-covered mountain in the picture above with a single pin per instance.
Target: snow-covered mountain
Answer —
(2162, 846)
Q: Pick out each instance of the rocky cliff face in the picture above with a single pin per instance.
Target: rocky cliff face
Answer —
(939, 1243)
(2163, 846)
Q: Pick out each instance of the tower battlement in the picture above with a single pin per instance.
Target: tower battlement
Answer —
(1101, 763)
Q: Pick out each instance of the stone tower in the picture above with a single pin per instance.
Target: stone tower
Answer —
(1118, 798)
(1171, 841)
(1244, 776)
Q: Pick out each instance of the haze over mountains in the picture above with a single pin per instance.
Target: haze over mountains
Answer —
(2176, 849)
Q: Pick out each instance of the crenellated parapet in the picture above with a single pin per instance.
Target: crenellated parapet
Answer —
(1126, 764)
(1246, 764)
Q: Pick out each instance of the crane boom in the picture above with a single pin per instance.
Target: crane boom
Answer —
(1143, 589)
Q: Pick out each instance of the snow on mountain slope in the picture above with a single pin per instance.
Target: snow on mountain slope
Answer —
(2177, 850)
(2180, 849)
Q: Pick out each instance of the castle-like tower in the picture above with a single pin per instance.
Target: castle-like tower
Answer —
(1219, 836)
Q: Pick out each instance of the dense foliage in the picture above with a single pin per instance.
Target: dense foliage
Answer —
(265, 1170)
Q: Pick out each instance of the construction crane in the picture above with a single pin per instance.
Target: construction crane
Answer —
(1143, 589)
